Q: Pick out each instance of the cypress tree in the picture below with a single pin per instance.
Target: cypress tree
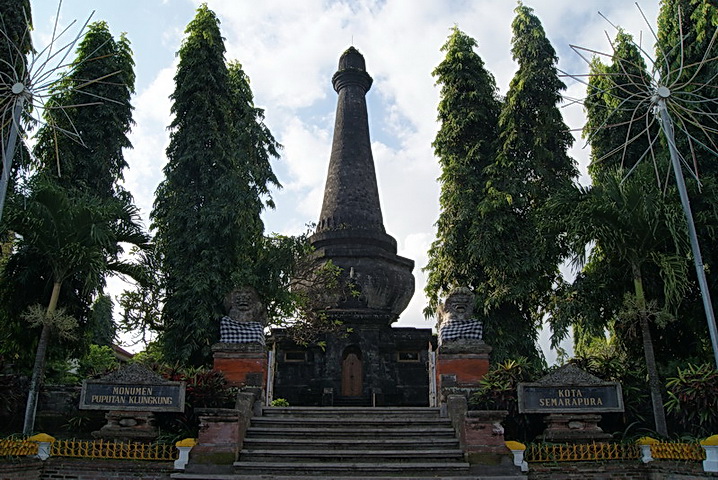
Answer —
(102, 80)
(521, 244)
(206, 209)
(465, 145)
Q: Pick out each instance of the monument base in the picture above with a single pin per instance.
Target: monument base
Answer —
(573, 428)
(243, 364)
(128, 427)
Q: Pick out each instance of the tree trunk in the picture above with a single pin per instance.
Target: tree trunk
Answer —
(38, 370)
(654, 382)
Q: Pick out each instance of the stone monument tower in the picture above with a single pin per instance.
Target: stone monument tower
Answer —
(374, 363)
(350, 231)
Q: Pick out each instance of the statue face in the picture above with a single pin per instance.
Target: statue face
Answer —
(459, 303)
(243, 300)
(243, 304)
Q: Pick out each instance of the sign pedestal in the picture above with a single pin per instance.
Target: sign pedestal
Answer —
(128, 427)
(573, 401)
(573, 428)
(131, 394)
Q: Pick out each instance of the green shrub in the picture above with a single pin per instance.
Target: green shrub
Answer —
(98, 360)
(499, 391)
(693, 399)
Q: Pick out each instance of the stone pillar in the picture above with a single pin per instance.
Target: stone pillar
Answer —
(219, 439)
(484, 436)
(243, 364)
(481, 436)
(461, 365)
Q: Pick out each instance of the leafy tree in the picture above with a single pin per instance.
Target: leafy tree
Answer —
(519, 243)
(101, 78)
(615, 129)
(465, 145)
(206, 211)
(72, 236)
(631, 220)
(686, 52)
(101, 75)
(685, 57)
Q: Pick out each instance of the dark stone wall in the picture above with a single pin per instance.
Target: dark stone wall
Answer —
(394, 368)
(614, 469)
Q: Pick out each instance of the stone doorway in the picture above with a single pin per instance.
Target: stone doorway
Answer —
(352, 372)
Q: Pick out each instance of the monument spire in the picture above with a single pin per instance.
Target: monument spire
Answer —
(351, 197)
(350, 232)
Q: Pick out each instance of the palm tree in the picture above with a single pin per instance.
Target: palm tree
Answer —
(630, 220)
(76, 236)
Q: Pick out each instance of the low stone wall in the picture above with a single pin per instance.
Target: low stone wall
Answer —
(83, 469)
(21, 469)
(86, 469)
(623, 470)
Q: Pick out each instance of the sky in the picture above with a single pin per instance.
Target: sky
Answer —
(290, 50)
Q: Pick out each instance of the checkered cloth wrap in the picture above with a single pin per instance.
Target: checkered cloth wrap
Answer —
(240, 332)
(456, 330)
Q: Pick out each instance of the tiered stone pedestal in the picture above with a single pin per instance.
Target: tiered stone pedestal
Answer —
(243, 364)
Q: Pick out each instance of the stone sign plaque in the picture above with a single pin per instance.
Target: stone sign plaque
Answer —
(536, 398)
(137, 397)
(570, 390)
(133, 388)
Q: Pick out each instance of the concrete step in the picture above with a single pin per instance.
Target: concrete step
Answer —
(401, 412)
(371, 469)
(400, 443)
(288, 422)
(248, 456)
(344, 433)
(269, 476)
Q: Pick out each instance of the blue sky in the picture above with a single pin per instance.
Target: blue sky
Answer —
(290, 50)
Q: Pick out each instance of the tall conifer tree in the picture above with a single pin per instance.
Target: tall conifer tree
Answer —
(206, 211)
(465, 145)
(102, 78)
(521, 245)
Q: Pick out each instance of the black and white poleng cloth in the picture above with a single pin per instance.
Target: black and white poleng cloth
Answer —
(240, 332)
(463, 329)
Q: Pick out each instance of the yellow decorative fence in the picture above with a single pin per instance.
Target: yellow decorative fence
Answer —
(17, 447)
(678, 451)
(114, 450)
(581, 452)
(612, 451)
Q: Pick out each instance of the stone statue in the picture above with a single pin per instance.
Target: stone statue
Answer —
(243, 305)
(457, 324)
(245, 319)
(458, 306)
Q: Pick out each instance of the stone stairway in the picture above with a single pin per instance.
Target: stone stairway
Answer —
(346, 441)
(343, 443)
